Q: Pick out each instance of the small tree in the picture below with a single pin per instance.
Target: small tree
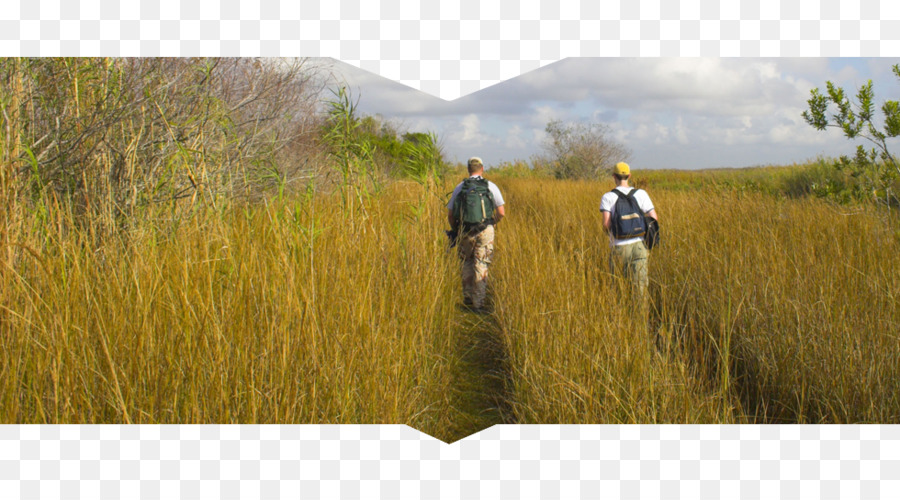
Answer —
(875, 168)
(581, 150)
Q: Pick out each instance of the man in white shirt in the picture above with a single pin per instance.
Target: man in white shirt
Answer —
(476, 240)
(628, 256)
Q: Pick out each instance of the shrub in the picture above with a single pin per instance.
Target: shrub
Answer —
(581, 150)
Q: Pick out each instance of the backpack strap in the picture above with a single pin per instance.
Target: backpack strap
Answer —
(489, 219)
(487, 187)
(457, 207)
(630, 198)
(490, 194)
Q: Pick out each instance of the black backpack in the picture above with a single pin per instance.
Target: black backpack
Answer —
(628, 220)
(651, 239)
(474, 206)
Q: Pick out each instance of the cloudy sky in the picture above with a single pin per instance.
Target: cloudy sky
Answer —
(670, 112)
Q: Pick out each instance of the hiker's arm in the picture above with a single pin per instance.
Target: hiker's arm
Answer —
(652, 213)
(606, 221)
(451, 219)
(500, 213)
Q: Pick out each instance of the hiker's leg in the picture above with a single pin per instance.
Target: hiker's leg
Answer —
(638, 268)
(639, 255)
(484, 250)
(467, 256)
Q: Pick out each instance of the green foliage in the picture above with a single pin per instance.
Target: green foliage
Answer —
(875, 168)
(363, 149)
(410, 155)
(383, 137)
(822, 178)
(351, 156)
(423, 156)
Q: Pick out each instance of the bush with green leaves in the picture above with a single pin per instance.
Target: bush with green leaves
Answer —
(874, 169)
(379, 146)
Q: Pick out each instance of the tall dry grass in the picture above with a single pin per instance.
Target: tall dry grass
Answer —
(296, 310)
(579, 348)
(285, 312)
(775, 310)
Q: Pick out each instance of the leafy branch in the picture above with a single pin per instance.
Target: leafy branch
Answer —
(877, 166)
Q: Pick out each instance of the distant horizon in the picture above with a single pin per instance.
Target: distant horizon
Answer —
(682, 114)
(637, 168)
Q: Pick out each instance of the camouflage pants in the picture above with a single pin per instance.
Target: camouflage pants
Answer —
(475, 251)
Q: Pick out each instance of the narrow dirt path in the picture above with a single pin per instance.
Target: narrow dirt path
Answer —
(480, 393)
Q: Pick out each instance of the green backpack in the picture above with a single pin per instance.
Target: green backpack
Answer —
(474, 207)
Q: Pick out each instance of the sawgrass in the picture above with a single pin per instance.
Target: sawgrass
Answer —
(287, 312)
(297, 311)
(768, 310)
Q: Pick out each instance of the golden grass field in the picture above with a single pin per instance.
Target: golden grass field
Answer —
(773, 310)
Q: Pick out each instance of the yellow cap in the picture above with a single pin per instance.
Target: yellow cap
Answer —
(622, 169)
(475, 161)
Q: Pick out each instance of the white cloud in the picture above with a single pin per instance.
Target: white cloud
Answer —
(789, 128)
(711, 85)
(645, 133)
(466, 137)
(683, 112)
(471, 129)
(539, 135)
(514, 138)
(544, 114)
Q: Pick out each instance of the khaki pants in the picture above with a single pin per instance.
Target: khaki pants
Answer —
(630, 261)
(476, 250)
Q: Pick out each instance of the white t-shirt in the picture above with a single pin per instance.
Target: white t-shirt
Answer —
(608, 204)
(495, 192)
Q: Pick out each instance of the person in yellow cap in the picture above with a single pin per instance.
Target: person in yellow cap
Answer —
(475, 207)
(625, 210)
